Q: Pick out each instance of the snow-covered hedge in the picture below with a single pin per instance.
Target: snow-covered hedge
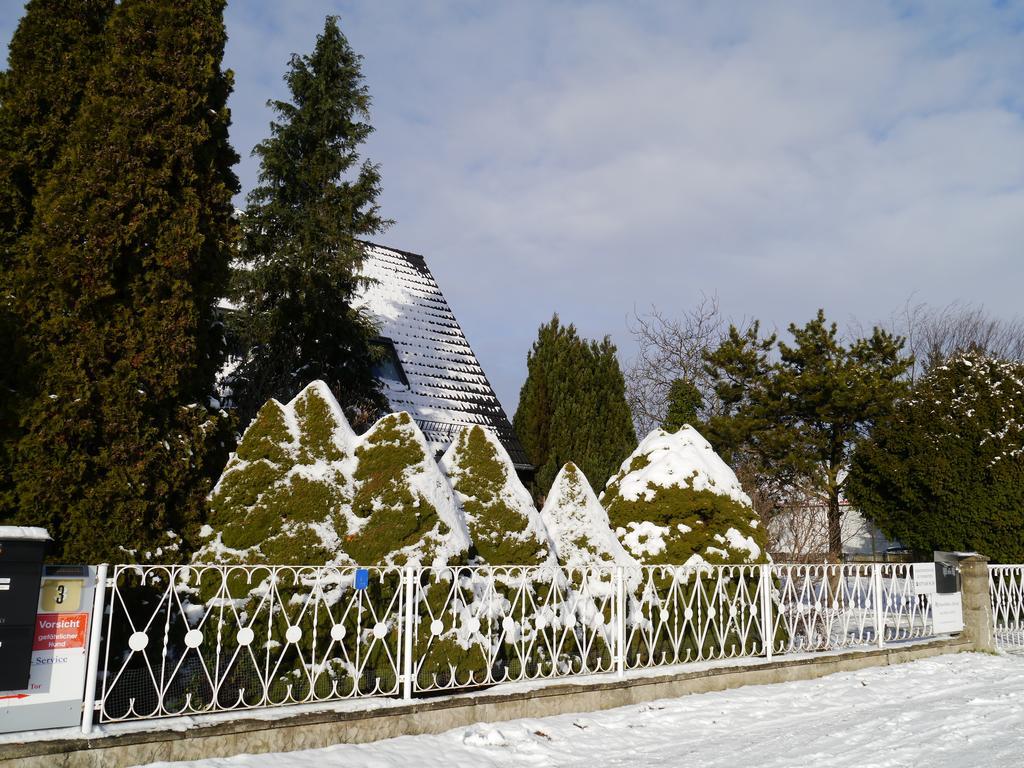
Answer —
(302, 488)
(578, 524)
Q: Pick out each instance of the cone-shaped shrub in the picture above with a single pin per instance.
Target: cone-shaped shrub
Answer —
(281, 497)
(578, 524)
(674, 501)
(504, 526)
(402, 507)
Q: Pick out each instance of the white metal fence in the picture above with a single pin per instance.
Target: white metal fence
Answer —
(1006, 591)
(208, 638)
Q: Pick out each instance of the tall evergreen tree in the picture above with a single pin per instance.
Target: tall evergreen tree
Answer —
(51, 55)
(802, 414)
(301, 252)
(128, 251)
(572, 407)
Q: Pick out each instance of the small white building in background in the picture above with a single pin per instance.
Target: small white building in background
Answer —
(800, 533)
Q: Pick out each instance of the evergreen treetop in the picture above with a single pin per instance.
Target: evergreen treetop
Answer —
(798, 416)
(684, 403)
(301, 251)
(572, 406)
(50, 59)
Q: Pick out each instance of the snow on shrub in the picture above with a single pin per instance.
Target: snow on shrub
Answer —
(506, 530)
(504, 526)
(281, 496)
(578, 524)
(402, 508)
(675, 502)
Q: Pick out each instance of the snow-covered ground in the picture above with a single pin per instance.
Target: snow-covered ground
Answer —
(962, 710)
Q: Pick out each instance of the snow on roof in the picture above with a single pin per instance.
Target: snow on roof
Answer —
(23, 533)
(447, 389)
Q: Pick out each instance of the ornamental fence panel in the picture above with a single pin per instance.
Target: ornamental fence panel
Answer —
(186, 640)
(1006, 593)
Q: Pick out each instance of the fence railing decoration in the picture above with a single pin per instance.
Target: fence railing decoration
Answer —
(184, 640)
(1006, 591)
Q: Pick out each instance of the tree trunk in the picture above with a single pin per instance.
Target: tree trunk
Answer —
(835, 537)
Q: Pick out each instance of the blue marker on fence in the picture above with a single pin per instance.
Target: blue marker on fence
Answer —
(362, 578)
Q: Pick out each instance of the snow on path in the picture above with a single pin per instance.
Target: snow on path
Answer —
(958, 710)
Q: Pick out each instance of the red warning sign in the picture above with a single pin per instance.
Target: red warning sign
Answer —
(57, 631)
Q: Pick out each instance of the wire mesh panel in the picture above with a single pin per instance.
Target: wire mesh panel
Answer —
(1006, 593)
(206, 638)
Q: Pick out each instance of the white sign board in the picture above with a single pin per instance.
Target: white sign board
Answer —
(924, 578)
(56, 682)
(947, 613)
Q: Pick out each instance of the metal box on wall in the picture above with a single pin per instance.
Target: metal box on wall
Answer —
(21, 564)
(947, 572)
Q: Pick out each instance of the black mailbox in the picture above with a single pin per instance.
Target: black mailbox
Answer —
(21, 564)
(947, 572)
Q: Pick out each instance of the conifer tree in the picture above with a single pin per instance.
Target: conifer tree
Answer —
(50, 58)
(128, 251)
(684, 403)
(944, 470)
(572, 406)
(301, 251)
(800, 416)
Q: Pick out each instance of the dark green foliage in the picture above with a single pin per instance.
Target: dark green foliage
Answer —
(128, 251)
(796, 419)
(50, 58)
(300, 249)
(572, 407)
(684, 403)
(945, 469)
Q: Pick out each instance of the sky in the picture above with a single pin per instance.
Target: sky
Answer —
(598, 159)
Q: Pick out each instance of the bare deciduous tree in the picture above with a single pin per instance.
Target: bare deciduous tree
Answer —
(670, 349)
(934, 334)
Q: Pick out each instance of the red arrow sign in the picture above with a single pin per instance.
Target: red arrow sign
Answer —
(16, 696)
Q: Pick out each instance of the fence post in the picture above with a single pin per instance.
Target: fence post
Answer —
(767, 633)
(95, 633)
(876, 585)
(977, 603)
(620, 621)
(409, 577)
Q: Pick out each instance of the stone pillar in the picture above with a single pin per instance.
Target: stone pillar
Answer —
(977, 605)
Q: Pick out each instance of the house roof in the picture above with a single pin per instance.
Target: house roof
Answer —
(446, 387)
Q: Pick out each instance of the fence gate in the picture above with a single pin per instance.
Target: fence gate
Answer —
(1006, 592)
